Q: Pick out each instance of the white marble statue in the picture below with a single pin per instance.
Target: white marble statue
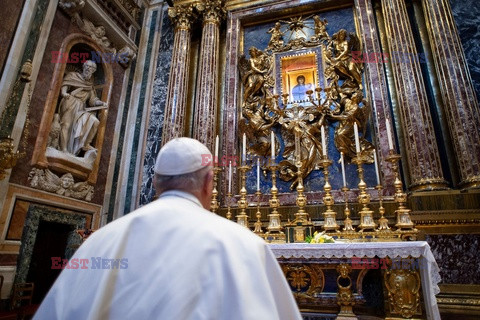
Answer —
(78, 124)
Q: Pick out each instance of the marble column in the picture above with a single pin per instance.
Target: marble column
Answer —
(176, 102)
(375, 80)
(420, 143)
(204, 121)
(458, 95)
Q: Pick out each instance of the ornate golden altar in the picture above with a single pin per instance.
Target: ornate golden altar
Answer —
(330, 278)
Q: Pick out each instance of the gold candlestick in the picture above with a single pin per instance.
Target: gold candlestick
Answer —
(382, 222)
(214, 202)
(242, 218)
(402, 213)
(258, 224)
(274, 230)
(348, 226)
(301, 226)
(366, 215)
(229, 198)
(330, 222)
(301, 215)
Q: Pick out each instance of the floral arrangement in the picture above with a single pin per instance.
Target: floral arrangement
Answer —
(319, 238)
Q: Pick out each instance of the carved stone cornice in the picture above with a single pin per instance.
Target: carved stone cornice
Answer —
(110, 33)
(213, 11)
(183, 16)
(132, 8)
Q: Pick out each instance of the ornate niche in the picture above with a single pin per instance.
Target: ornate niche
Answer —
(73, 124)
(302, 81)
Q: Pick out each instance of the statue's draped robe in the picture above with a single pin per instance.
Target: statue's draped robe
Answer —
(74, 108)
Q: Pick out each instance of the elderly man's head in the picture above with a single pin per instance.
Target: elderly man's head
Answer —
(180, 166)
(89, 68)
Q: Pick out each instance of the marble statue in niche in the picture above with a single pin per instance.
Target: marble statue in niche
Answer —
(78, 125)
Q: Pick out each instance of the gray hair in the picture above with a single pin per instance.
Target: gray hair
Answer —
(91, 63)
(187, 182)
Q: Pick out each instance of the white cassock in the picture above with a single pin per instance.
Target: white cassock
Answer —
(183, 263)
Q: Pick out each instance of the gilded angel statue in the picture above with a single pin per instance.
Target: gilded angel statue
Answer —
(341, 60)
(253, 72)
(344, 137)
(257, 126)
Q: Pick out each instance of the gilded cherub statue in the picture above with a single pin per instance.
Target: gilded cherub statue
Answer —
(277, 36)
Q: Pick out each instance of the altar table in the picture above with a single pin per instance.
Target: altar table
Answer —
(308, 268)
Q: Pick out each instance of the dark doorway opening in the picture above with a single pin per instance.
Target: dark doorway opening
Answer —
(51, 241)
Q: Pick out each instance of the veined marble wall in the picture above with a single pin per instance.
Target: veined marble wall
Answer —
(457, 256)
(467, 18)
(160, 86)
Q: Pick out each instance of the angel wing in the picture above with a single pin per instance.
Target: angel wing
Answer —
(243, 67)
(245, 128)
(362, 115)
(354, 43)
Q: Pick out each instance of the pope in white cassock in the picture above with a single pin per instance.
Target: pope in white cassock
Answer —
(176, 259)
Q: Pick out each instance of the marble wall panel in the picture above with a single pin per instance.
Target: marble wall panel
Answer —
(8, 27)
(467, 18)
(457, 256)
(159, 94)
(141, 106)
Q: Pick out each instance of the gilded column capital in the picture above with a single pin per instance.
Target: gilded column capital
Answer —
(213, 11)
(184, 15)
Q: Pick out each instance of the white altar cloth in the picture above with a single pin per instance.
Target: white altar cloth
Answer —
(430, 275)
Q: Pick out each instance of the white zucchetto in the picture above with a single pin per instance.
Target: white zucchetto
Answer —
(182, 155)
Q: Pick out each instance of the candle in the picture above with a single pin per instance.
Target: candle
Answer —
(357, 141)
(272, 142)
(244, 149)
(324, 144)
(297, 147)
(216, 150)
(343, 169)
(376, 166)
(389, 134)
(258, 174)
(230, 177)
